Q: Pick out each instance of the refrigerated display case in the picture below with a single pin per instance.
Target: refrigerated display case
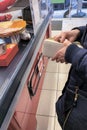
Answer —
(21, 80)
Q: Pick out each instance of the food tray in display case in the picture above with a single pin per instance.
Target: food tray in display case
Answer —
(10, 27)
(29, 8)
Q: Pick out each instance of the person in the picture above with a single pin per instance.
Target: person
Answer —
(67, 105)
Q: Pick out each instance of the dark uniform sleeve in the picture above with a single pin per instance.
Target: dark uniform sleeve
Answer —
(82, 30)
(78, 58)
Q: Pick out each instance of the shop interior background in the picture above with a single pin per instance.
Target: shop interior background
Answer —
(67, 8)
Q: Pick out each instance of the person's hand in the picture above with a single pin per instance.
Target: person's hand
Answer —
(69, 35)
(60, 55)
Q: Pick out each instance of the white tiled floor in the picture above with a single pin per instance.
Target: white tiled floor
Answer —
(55, 77)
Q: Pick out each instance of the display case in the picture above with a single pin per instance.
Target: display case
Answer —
(28, 10)
(45, 6)
(20, 80)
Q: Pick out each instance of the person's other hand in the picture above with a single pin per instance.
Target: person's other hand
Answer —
(60, 55)
(69, 35)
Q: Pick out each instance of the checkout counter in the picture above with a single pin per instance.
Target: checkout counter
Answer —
(21, 82)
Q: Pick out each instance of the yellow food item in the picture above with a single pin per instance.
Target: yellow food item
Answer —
(10, 45)
(18, 24)
(9, 27)
(6, 24)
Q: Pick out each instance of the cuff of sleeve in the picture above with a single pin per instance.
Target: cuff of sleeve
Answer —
(74, 54)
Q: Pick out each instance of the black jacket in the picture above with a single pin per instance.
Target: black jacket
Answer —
(77, 56)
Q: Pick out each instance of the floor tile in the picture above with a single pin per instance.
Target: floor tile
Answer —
(52, 66)
(45, 123)
(57, 126)
(46, 104)
(68, 23)
(62, 80)
(56, 25)
(50, 81)
(58, 94)
(64, 68)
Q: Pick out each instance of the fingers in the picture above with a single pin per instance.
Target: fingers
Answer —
(69, 35)
(61, 37)
(57, 38)
(61, 60)
(60, 55)
(67, 42)
(55, 57)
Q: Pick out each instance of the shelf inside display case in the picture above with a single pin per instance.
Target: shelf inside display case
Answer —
(27, 10)
(18, 5)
